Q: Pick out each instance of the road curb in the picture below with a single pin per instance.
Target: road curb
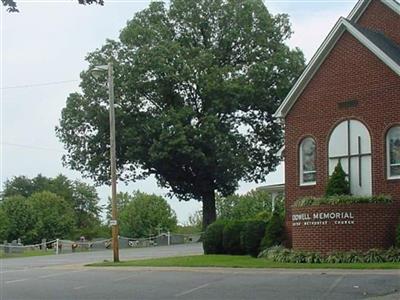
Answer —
(251, 270)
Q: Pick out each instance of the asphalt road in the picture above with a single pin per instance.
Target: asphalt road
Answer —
(64, 277)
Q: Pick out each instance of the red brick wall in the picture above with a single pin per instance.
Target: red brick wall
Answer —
(372, 228)
(380, 17)
(351, 71)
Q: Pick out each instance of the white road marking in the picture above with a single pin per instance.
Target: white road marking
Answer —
(17, 280)
(60, 274)
(192, 290)
(123, 278)
(333, 285)
(79, 287)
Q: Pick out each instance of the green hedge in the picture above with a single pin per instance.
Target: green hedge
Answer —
(251, 236)
(273, 232)
(231, 238)
(212, 238)
(280, 254)
(234, 237)
(341, 199)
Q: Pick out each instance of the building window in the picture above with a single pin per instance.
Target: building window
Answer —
(307, 162)
(350, 144)
(393, 152)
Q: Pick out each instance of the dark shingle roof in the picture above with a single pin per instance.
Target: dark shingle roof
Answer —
(385, 44)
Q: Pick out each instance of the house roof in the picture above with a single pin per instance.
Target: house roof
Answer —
(272, 188)
(386, 50)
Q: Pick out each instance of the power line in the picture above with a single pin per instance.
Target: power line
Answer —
(37, 84)
(31, 147)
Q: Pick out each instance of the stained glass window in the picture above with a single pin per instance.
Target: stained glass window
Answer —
(393, 148)
(307, 161)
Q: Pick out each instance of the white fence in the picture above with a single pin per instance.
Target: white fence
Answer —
(68, 246)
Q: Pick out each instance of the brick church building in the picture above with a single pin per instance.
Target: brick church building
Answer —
(346, 107)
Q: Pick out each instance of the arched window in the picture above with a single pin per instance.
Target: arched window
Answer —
(350, 144)
(307, 162)
(393, 152)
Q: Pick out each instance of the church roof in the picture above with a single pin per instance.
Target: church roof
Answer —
(390, 48)
(385, 49)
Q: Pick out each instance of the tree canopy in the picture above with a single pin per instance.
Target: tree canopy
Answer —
(254, 204)
(53, 216)
(196, 85)
(146, 215)
(21, 220)
(79, 196)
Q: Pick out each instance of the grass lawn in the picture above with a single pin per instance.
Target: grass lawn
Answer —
(231, 261)
(26, 254)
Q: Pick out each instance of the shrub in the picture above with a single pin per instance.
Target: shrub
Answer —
(374, 256)
(398, 236)
(336, 257)
(231, 238)
(212, 238)
(263, 216)
(354, 257)
(283, 256)
(280, 254)
(341, 199)
(314, 258)
(251, 236)
(270, 253)
(298, 257)
(392, 255)
(338, 184)
(273, 232)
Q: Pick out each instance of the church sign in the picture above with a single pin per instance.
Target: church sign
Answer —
(323, 218)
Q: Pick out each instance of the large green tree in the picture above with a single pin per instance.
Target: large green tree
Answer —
(196, 85)
(123, 199)
(21, 219)
(81, 197)
(54, 217)
(145, 215)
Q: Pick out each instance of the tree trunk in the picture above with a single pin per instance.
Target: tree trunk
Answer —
(209, 213)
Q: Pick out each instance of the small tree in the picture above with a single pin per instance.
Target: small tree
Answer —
(338, 184)
(145, 214)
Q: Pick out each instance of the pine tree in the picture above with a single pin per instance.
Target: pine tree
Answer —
(338, 184)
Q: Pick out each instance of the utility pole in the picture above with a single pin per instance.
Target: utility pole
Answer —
(114, 223)
(96, 73)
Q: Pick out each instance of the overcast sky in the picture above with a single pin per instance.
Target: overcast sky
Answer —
(47, 42)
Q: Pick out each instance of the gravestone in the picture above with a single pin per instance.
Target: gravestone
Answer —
(15, 248)
(6, 247)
